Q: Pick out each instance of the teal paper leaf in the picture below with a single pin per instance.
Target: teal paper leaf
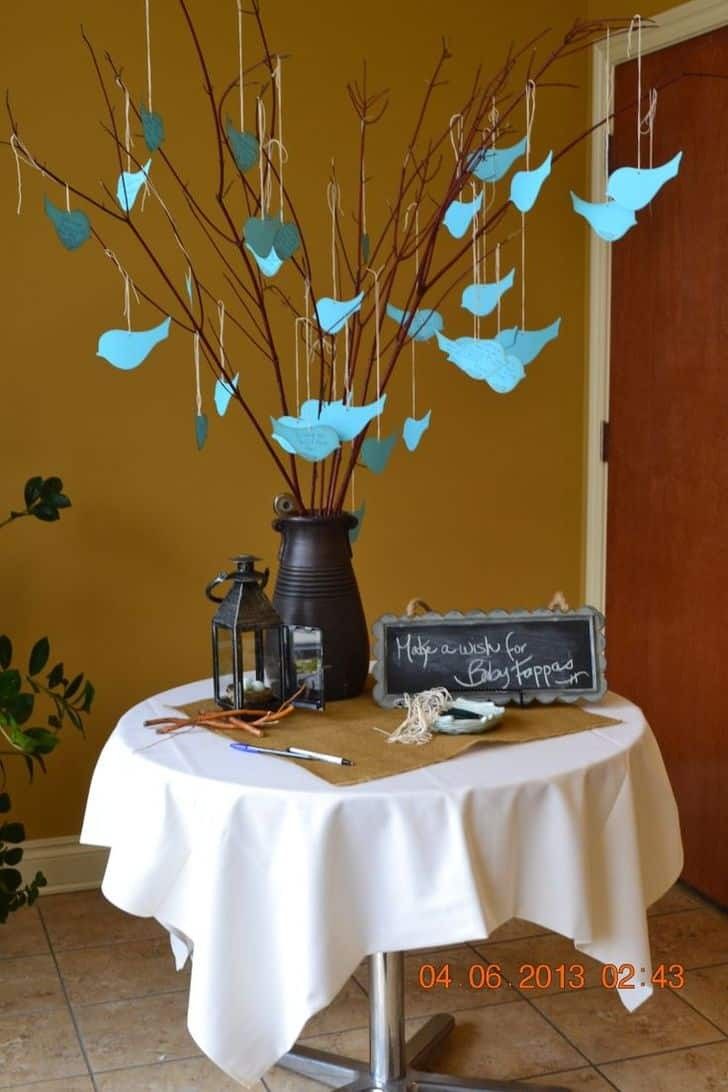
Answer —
(375, 454)
(153, 128)
(287, 241)
(260, 234)
(244, 146)
(200, 430)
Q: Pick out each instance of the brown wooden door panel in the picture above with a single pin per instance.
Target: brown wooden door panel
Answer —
(667, 532)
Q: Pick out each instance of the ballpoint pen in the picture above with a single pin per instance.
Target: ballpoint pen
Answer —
(293, 752)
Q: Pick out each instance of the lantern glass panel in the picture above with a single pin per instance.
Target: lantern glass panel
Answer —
(225, 660)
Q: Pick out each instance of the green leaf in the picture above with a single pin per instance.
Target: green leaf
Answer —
(39, 656)
(53, 721)
(56, 676)
(72, 687)
(21, 707)
(4, 803)
(10, 879)
(32, 895)
(59, 500)
(6, 652)
(42, 740)
(39, 880)
(50, 486)
(88, 696)
(45, 512)
(12, 832)
(13, 856)
(22, 741)
(32, 491)
(9, 685)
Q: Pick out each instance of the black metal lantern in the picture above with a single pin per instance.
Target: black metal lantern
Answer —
(249, 641)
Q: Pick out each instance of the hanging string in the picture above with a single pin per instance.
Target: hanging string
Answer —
(20, 151)
(530, 114)
(333, 201)
(240, 65)
(221, 322)
(456, 135)
(261, 165)
(333, 368)
(296, 336)
(475, 253)
(68, 198)
(414, 206)
(363, 182)
(347, 392)
(128, 287)
(377, 343)
(648, 121)
(497, 277)
(128, 139)
(307, 308)
(149, 57)
(636, 23)
(196, 355)
(608, 100)
(278, 77)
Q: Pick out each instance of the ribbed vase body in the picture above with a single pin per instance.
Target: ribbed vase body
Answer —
(316, 586)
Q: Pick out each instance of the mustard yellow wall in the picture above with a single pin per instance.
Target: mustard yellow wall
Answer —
(486, 514)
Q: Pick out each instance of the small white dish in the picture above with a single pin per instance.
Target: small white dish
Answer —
(490, 715)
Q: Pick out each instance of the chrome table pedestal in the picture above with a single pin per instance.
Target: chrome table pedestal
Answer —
(393, 1062)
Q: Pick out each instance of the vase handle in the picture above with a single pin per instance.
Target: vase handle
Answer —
(219, 579)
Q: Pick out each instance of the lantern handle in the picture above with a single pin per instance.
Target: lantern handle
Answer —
(219, 579)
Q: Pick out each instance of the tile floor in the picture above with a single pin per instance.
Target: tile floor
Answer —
(90, 1000)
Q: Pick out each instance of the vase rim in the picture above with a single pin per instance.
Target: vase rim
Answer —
(347, 518)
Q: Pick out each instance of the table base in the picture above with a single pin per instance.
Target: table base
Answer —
(393, 1061)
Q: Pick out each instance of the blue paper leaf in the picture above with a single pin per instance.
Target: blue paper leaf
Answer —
(356, 531)
(346, 421)
(424, 325)
(72, 228)
(527, 344)
(153, 128)
(332, 314)
(633, 188)
(260, 233)
(223, 394)
(481, 299)
(492, 164)
(459, 216)
(414, 430)
(375, 454)
(200, 430)
(129, 184)
(244, 146)
(126, 349)
(526, 185)
(607, 219)
(311, 442)
(286, 241)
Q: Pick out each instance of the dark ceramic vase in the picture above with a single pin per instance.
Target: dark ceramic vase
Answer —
(316, 586)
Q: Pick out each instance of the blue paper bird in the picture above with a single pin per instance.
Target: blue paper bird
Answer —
(223, 393)
(506, 376)
(269, 265)
(332, 314)
(527, 344)
(459, 215)
(311, 442)
(526, 185)
(633, 188)
(424, 324)
(481, 299)
(477, 357)
(72, 228)
(346, 421)
(126, 349)
(152, 127)
(414, 429)
(129, 184)
(492, 164)
(609, 220)
(375, 454)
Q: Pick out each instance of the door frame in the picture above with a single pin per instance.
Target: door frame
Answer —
(677, 25)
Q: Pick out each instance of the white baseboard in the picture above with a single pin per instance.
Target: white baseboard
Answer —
(65, 863)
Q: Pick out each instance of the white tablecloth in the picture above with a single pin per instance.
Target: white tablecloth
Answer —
(280, 883)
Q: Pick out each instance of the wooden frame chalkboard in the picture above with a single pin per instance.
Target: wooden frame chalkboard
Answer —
(519, 656)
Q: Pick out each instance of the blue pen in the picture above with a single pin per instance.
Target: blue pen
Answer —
(292, 752)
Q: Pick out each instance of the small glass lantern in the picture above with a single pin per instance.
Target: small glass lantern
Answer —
(249, 641)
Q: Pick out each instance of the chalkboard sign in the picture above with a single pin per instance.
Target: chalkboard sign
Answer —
(540, 655)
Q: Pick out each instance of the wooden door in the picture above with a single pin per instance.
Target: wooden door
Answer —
(667, 537)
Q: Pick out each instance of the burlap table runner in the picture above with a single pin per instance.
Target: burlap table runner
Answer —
(347, 728)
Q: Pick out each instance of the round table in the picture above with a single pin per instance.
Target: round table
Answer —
(279, 883)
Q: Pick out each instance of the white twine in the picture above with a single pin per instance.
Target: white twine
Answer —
(456, 135)
(283, 158)
(636, 23)
(333, 368)
(476, 256)
(196, 356)
(530, 115)
(497, 277)
(128, 139)
(297, 320)
(414, 205)
(347, 392)
(608, 100)
(240, 64)
(307, 306)
(149, 57)
(333, 202)
(648, 121)
(68, 199)
(261, 166)
(21, 152)
(221, 322)
(363, 183)
(128, 287)
(377, 342)
(422, 712)
(278, 77)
